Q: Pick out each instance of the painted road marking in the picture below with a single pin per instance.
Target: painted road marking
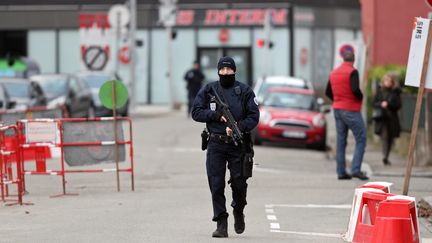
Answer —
(336, 206)
(269, 211)
(308, 233)
(271, 217)
(274, 225)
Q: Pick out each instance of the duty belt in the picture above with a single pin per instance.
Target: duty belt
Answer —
(224, 138)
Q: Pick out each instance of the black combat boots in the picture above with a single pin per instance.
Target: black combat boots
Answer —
(239, 223)
(222, 229)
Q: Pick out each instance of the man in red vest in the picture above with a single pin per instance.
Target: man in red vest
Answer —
(343, 89)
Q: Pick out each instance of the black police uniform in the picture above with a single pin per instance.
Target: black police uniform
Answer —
(221, 149)
(194, 79)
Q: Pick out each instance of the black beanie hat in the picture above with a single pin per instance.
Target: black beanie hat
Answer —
(226, 62)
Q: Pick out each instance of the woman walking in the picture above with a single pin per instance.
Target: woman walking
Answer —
(386, 104)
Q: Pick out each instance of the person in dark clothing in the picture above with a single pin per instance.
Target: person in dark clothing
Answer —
(343, 89)
(388, 101)
(194, 78)
(221, 148)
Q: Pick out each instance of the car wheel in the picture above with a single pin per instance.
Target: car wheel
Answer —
(91, 112)
(322, 146)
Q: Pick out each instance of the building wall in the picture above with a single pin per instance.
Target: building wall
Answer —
(389, 22)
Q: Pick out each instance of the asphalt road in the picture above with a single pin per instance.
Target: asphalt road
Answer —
(294, 196)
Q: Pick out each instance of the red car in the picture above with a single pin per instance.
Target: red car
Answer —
(292, 116)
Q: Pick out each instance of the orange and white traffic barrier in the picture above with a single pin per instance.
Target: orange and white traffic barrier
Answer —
(367, 215)
(396, 221)
(10, 156)
(357, 199)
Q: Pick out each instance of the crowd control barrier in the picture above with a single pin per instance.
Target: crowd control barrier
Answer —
(38, 136)
(10, 164)
(82, 142)
(10, 117)
(378, 216)
(396, 221)
(93, 139)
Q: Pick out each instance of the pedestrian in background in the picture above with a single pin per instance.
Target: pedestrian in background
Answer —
(194, 78)
(343, 89)
(221, 148)
(386, 104)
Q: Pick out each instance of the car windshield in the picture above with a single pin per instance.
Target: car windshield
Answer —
(17, 90)
(96, 81)
(53, 86)
(267, 85)
(290, 100)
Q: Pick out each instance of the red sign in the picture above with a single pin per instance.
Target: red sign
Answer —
(231, 17)
(124, 55)
(304, 56)
(224, 35)
(429, 3)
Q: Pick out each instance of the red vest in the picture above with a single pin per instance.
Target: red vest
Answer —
(343, 97)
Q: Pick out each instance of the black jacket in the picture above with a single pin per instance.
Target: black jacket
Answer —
(390, 117)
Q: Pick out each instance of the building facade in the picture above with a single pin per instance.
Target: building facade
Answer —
(49, 33)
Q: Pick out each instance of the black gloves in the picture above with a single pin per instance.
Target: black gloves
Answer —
(218, 115)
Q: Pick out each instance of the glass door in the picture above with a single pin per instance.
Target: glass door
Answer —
(208, 58)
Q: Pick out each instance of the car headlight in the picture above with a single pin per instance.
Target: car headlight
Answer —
(318, 121)
(265, 117)
(56, 102)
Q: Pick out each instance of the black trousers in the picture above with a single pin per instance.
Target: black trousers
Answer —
(219, 154)
(387, 138)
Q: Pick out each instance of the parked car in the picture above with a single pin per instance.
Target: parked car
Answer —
(95, 80)
(68, 91)
(292, 116)
(5, 102)
(23, 93)
(263, 84)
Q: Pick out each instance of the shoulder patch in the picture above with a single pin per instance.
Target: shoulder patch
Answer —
(237, 90)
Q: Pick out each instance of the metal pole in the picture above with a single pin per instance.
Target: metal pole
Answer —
(132, 54)
(291, 39)
(114, 108)
(116, 49)
(169, 71)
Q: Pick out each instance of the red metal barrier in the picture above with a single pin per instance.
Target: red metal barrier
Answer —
(100, 143)
(66, 141)
(39, 141)
(10, 156)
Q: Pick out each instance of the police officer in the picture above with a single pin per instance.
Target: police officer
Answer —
(221, 148)
(194, 78)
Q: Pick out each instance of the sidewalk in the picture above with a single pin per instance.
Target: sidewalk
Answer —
(147, 111)
(373, 166)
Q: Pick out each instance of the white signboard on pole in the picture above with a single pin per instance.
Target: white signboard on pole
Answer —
(417, 53)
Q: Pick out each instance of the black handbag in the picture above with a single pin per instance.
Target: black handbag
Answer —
(377, 114)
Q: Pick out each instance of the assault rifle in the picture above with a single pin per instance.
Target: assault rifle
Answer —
(237, 134)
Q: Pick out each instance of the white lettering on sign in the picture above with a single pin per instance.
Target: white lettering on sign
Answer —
(417, 53)
(41, 132)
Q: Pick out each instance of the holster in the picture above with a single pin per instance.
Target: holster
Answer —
(247, 156)
(204, 139)
(247, 165)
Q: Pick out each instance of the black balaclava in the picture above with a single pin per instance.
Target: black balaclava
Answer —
(226, 80)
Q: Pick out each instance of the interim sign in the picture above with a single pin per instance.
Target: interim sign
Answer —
(417, 53)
